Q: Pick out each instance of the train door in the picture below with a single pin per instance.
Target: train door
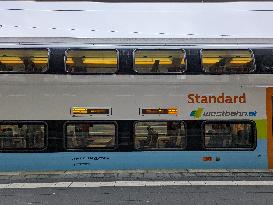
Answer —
(269, 109)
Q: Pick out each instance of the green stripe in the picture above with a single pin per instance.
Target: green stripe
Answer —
(261, 128)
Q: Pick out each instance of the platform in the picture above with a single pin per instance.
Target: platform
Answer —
(137, 187)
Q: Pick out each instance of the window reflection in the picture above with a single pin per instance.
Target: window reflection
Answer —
(91, 61)
(228, 61)
(90, 135)
(22, 136)
(160, 61)
(160, 135)
(23, 60)
(267, 63)
(228, 135)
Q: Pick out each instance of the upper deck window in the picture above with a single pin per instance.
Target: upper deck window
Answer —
(23, 60)
(91, 61)
(228, 61)
(160, 61)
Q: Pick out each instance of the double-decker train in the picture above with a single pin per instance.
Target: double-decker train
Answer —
(135, 103)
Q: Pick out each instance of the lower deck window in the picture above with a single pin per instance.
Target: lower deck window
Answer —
(229, 134)
(89, 135)
(22, 136)
(160, 135)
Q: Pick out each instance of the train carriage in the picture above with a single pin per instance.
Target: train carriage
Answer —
(136, 103)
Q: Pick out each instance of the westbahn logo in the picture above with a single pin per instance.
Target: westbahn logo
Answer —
(199, 112)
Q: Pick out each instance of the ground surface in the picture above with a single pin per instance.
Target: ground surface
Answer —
(140, 195)
(138, 187)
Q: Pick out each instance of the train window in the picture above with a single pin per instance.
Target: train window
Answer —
(160, 61)
(24, 60)
(228, 61)
(160, 135)
(267, 63)
(91, 61)
(89, 135)
(22, 136)
(229, 134)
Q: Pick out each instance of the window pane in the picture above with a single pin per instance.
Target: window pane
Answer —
(160, 135)
(267, 63)
(91, 61)
(160, 61)
(228, 135)
(90, 135)
(228, 61)
(23, 60)
(22, 136)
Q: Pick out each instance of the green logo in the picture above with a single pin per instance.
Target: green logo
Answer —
(197, 113)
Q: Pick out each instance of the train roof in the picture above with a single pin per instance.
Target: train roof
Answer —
(99, 22)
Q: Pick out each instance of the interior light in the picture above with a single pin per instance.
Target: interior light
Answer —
(159, 111)
(89, 111)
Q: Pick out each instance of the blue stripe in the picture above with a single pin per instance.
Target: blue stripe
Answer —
(135, 160)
